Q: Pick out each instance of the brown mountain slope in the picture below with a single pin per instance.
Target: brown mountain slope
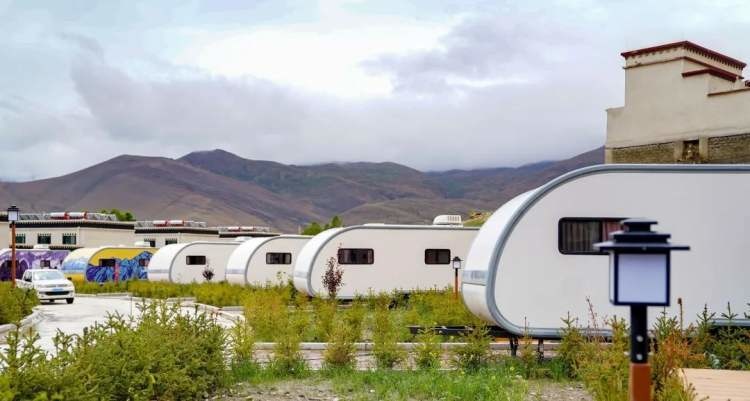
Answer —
(333, 188)
(222, 188)
(155, 187)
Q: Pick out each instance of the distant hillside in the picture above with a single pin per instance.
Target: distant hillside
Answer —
(222, 188)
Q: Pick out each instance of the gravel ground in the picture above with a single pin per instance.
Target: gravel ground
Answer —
(312, 390)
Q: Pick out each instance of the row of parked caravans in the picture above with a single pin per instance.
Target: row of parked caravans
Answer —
(532, 262)
(371, 255)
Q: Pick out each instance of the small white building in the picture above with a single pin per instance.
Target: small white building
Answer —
(384, 257)
(684, 103)
(191, 262)
(72, 230)
(259, 261)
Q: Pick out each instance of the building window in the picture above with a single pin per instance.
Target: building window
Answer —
(278, 258)
(577, 236)
(169, 241)
(69, 239)
(437, 256)
(107, 262)
(150, 241)
(20, 238)
(195, 260)
(44, 239)
(355, 256)
(44, 264)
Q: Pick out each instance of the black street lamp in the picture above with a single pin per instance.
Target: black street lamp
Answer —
(456, 267)
(13, 213)
(639, 277)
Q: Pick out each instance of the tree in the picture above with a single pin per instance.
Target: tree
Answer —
(120, 215)
(315, 228)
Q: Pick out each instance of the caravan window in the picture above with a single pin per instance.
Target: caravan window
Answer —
(356, 256)
(196, 260)
(278, 258)
(577, 236)
(107, 262)
(437, 256)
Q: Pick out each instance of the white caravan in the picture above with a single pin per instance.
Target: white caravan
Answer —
(259, 261)
(383, 258)
(191, 262)
(533, 261)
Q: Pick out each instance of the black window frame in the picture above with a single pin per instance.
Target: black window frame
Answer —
(286, 258)
(169, 241)
(111, 262)
(437, 252)
(151, 242)
(20, 238)
(66, 239)
(44, 235)
(369, 252)
(599, 220)
(197, 258)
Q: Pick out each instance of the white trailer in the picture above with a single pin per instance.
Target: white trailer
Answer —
(383, 258)
(533, 261)
(259, 261)
(190, 262)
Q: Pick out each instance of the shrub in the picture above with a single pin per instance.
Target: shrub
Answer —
(475, 353)
(164, 355)
(427, 350)
(333, 277)
(243, 343)
(341, 351)
(437, 307)
(385, 335)
(264, 310)
(287, 358)
(571, 347)
(325, 315)
(15, 303)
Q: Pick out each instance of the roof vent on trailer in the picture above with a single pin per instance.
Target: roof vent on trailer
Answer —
(447, 220)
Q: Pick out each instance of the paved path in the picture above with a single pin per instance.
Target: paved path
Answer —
(719, 385)
(84, 312)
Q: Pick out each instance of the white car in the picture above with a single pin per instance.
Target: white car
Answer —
(49, 284)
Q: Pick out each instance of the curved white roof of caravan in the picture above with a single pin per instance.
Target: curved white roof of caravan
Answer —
(239, 260)
(161, 261)
(483, 261)
(306, 257)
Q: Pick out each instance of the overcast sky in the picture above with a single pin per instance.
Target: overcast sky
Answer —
(431, 84)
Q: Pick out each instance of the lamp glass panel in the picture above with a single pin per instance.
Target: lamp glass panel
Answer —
(642, 278)
(612, 278)
(12, 215)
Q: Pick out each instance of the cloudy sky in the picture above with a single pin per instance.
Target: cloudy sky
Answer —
(431, 84)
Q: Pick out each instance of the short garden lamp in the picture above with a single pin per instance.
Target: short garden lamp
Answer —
(13, 213)
(639, 277)
(456, 267)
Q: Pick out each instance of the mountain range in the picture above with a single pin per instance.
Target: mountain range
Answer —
(222, 188)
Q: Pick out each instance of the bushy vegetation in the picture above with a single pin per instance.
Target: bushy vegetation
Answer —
(15, 303)
(164, 355)
(121, 215)
(314, 228)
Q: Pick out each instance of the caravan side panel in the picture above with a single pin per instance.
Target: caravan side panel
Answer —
(398, 258)
(259, 272)
(209, 256)
(531, 281)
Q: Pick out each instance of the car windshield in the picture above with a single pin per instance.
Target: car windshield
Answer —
(48, 275)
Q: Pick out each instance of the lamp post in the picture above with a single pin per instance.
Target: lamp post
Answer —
(13, 212)
(456, 267)
(639, 274)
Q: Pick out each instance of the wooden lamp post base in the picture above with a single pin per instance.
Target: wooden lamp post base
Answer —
(640, 382)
